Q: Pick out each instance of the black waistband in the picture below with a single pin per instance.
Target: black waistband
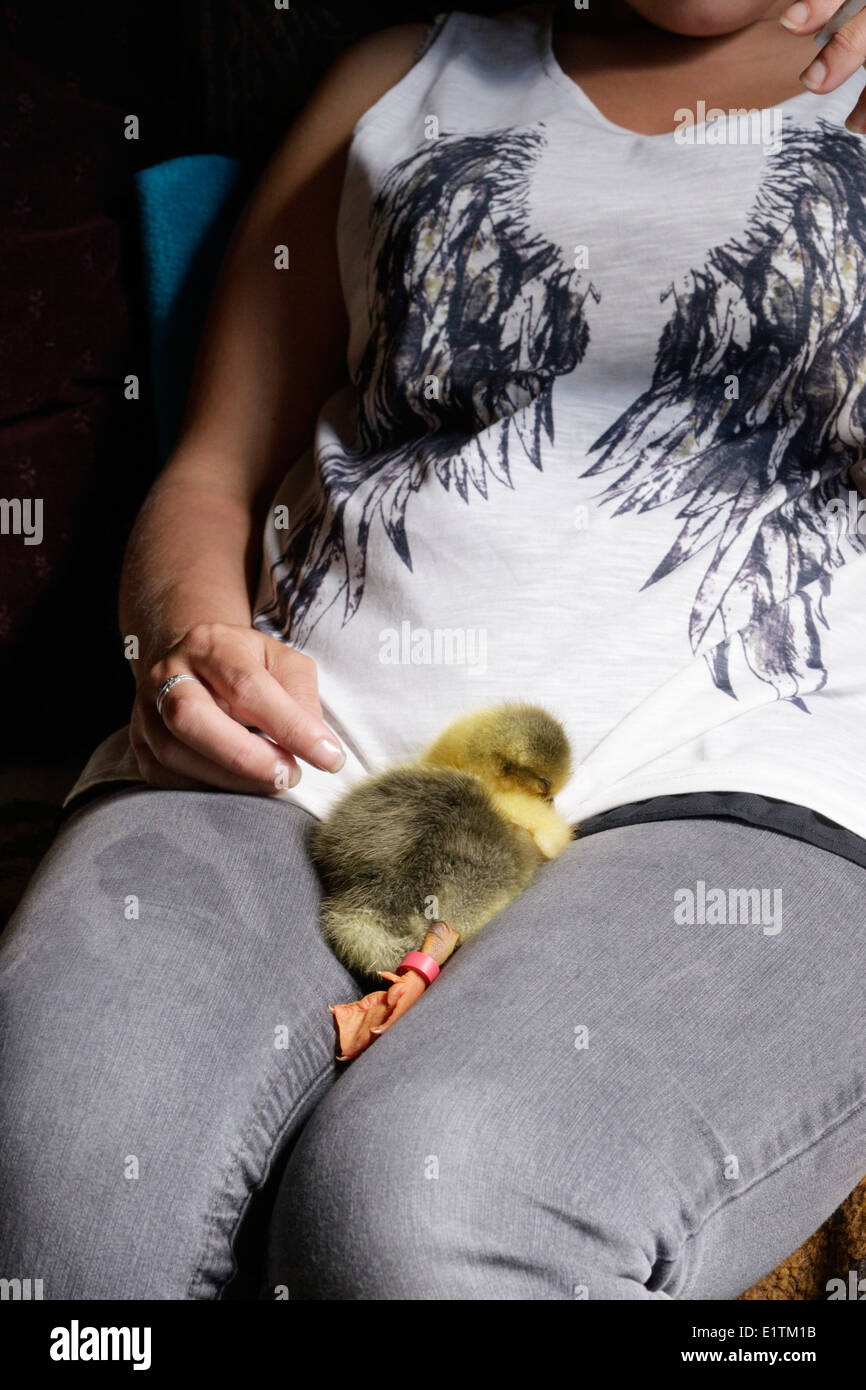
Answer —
(799, 822)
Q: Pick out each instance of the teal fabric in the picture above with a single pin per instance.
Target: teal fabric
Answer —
(187, 208)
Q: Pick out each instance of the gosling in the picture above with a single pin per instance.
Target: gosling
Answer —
(452, 836)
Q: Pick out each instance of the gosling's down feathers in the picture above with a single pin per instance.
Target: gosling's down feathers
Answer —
(454, 835)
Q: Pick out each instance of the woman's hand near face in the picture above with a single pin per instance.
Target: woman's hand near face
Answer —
(241, 677)
(839, 58)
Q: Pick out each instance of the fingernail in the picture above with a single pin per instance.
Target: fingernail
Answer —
(795, 15)
(327, 755)
(856, 123)
(814, 74)
(280, 780)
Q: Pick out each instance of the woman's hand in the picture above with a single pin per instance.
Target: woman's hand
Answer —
(241, 677)
(840, 57)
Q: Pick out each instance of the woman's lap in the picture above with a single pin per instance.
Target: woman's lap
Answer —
(716, 1117)
(153, 1064)
(476, 1151)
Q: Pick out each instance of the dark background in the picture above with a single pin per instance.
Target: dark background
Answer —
(223, 76)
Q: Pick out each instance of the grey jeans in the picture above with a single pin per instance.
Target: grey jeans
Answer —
(627, 1086)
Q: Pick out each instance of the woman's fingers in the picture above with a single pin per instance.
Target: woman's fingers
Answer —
(156, 775)
(840, 56)
(235, 758)
(295, 673)
(164, 761)
(239, 676)
(810, 16)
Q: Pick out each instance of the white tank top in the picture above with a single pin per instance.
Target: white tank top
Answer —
(605, 391)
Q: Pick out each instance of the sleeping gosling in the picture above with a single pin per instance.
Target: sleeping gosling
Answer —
(452, 836)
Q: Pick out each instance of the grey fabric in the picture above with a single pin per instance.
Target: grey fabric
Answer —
(801, 822)
(561, 1170)
(476, 1153)
(155, 1040)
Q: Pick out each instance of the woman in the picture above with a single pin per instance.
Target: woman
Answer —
(592, 357)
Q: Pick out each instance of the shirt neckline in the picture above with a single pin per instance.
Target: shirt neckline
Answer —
(557, 74)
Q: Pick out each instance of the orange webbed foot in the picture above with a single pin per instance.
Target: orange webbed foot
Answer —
(359, 1024)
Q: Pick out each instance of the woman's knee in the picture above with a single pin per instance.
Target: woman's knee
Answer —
(437, 1193)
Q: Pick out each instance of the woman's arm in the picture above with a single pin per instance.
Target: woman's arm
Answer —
(273, 348)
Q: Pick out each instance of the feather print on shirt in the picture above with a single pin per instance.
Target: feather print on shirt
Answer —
(472, 317)
(783, 311)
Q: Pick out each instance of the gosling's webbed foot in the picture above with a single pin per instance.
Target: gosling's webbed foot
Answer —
(360, 1024)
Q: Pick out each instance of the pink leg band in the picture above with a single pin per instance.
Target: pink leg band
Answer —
(421, 963)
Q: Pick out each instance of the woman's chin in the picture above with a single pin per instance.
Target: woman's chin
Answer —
(704, 19)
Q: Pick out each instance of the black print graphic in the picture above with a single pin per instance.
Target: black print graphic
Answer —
(784, 312)
(472, 318)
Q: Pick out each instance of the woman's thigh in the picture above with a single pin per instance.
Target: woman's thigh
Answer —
(626, 1086)
(164, 989)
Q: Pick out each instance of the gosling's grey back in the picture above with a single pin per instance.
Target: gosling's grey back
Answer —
(401, 838)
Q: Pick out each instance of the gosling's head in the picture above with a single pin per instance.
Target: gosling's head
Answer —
(517, 747)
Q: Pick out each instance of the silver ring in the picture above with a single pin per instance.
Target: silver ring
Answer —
(169, 685)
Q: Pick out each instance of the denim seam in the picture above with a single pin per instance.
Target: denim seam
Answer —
(859, 1105)
(273, 1087)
